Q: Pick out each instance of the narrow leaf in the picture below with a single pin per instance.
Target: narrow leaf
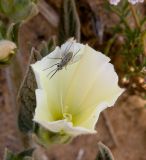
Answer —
(104, 152)
(47, 47)
(12, 32)
(26, 97)
(69, 22)
(9, 155)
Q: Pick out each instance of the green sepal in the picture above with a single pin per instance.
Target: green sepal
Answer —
(104, 152)
(9, 155)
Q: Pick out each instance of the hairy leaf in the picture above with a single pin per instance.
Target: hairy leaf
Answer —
(26, 97)
(47, 47)
(69, 22)
(17, 10)
(12, 32)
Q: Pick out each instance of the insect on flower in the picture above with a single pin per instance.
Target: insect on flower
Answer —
(70, 102)
(66, 59)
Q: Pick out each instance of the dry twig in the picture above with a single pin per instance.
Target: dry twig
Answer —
(110, 128)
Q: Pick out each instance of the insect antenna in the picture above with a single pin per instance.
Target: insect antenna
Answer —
(53, 58)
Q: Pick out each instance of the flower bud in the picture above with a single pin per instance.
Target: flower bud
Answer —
(18, 10)
(7, 50)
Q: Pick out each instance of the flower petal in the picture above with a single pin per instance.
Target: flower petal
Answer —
(114, 2)
(52, 86)
(41, 66)
(62, 125)
(93, 81)
(47, 85)
(81, 90)
(42, 112)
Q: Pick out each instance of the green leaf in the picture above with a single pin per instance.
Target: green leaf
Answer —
(9, 155)
(12, 32)
(143, 21)
(24, 10)
(69, 22)
(17, 10)
(6, 6)
(2, 30)
(47, 47)
(104, 152)
(51, 44)
(25, 153)
(27, 98)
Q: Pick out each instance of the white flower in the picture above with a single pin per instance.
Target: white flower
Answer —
(115, 2)
(135, 1)
(6, 50)
(73, 98)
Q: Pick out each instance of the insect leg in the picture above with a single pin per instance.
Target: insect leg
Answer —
(53, 58)
(76, 53)
(50, 66)
(69, 47)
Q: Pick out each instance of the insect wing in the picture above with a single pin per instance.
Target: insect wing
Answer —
(75, 59)
(66, 48)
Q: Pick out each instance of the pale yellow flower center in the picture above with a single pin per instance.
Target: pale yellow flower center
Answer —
(66, 115)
